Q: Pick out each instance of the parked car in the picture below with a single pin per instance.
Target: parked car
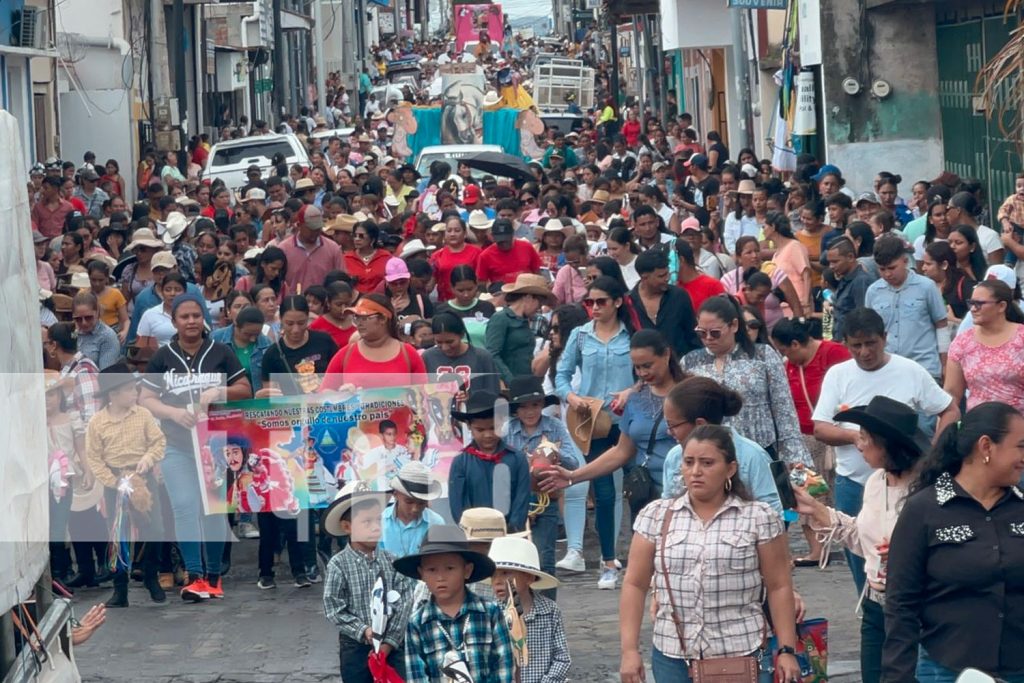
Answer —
(324, 135)
(230, 159)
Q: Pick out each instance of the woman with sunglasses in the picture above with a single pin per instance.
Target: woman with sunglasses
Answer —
(986, 360)
(755, 372)
(367, 262)
(378, 350)
(753, 324)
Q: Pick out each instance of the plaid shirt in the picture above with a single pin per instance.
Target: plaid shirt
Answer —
(1012, 209)
(714, 574)
(545, 641)
(116, 443)
(347, 586)
(479, 629)
(86, 393)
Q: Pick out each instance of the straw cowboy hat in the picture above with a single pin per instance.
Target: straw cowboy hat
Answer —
(600, 197)
(304, 184)
(486, 524)
(416, 481)
(745, 187)
(79, 280)
(144, 237)
(592, 422)
(520, 555)
(343, 222)
(478, 220)
(528, 283)
(444, 539)
(349, 494)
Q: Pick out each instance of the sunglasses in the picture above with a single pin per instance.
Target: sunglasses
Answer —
(976, 304)
(596, 301)
(713, 335)
(753, 325)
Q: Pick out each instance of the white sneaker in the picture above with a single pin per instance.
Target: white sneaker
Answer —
(247, 530)
(572, 562)
(609, 579)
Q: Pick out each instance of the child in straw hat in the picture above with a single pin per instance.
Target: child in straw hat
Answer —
(517, 575)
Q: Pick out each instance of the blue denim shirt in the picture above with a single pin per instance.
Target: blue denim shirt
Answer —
(401, 539)
(604, 368)
(910, 314)
(754, 465)
(226, 335)
(551, 428)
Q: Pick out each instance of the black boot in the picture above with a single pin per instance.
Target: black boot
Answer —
(83, 579)
(151, 577)
(120, 596)
(156, 592)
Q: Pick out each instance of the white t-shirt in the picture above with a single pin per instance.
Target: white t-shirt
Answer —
(629, 273)
(989, 239)
(847, 386)
(157, 324)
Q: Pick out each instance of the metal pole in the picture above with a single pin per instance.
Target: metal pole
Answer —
(279, 47)
(741, 77)
(180, 80)
(424, 20)
(613, 31)
(318, 55)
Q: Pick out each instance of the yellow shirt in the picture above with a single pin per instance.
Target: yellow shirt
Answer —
(813, 245)
(122, 442)
(111, 302)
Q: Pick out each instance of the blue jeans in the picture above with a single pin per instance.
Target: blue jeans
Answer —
(849, 496)
(194, 530)
(575, 513)
(872, 637)
(670, 670)
(606, 502)
(544, 534)
(930, 671)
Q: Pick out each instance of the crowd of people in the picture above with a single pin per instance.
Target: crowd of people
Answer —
(690, 326)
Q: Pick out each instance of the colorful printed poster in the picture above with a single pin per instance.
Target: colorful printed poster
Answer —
(291, 453)
(470, 20)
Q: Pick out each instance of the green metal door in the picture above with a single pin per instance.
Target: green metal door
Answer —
(973, 146)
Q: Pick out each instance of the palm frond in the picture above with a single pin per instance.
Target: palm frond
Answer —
(999, 83)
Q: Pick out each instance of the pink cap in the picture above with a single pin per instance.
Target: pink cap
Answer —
(395, 269)
(690, 223)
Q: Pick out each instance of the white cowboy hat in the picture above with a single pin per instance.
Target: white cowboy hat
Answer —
(80, 280)
(491, 98)
(478, 220)
(554, 225)
(342, 503)
(414, 247)
(173, 227)
(416, 481)
(144, 237)
(520, 555)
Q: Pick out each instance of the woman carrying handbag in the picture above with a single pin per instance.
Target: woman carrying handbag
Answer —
(713, 554)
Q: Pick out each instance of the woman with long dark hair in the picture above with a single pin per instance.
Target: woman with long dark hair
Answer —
(453, 350)
(466, 302)
(756, 372)
(368, 261)
(939, 265)
(271, 270)
(954, 584)
(969, 257)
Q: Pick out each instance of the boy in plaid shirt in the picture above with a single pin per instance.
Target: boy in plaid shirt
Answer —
(1012, 213)
(349, 582)
(457, 634)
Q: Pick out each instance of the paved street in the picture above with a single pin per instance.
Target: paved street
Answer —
(258, 636)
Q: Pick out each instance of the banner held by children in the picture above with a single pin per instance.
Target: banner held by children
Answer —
(285, 454)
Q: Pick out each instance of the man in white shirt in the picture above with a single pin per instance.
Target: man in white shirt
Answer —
(872, 372)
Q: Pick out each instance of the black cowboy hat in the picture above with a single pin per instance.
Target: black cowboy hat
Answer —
(528, 388)
(443, 539)
(480, 404)
(116, 376)
(889, 419)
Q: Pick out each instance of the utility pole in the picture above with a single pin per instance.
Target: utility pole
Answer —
(180, 82)
(613, 31)
(741, 77)
(318, 56)
(279, 48)
(424, 20)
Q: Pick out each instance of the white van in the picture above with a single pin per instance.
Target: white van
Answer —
(230, 159)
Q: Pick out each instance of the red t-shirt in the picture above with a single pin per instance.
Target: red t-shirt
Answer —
(350, 366)
(829, 353)
(700, 288)
(338, 334)
(445, 261)
(495, 265)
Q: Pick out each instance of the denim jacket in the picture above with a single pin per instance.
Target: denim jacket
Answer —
(555, 431)
(226, 335)
(604, 368)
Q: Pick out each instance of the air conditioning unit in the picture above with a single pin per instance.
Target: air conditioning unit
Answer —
(27, 28)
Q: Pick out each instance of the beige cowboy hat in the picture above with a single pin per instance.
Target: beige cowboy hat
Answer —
(528, 283)
(601, 197)
(745, 187)
(85, 497)
(416, 481)
(342, 503)
(79, 281)
(304, 184)
(144, 237)
(478, 220)
(485, 525)
(589, 423)
(520, 555)
(343, 222)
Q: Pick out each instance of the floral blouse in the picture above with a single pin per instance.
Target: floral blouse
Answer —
(768, 415)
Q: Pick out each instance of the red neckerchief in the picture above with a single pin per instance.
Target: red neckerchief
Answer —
(486, 457)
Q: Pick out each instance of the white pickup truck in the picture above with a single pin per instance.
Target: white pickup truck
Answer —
(558, 83)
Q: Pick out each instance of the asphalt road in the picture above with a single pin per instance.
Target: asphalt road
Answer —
(281, 635)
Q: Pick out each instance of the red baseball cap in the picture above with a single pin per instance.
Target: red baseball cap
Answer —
(471, 195)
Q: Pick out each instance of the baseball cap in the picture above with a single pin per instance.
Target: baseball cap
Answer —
(90, 175)
(471, 195)
(1003, 273)
(827, 169)
(699, 161)
(503, 230)
(311, 217)
(869, 197)
(395, 269)
(689, 224)
(163, 259)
